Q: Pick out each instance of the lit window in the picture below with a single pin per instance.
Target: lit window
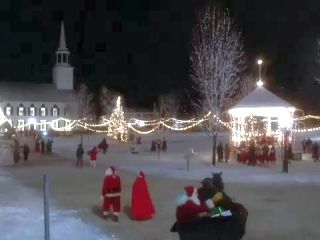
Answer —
(8, 110)
(43, 111)
(54, 124)
(54, 111)
(43, 125)
(21, 111)
(68, 125)
(20, 125)
(32, 111)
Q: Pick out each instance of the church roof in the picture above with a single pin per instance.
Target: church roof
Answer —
(261, 97)
(62, 42)
(34, 92)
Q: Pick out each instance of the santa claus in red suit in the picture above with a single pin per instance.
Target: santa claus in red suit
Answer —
(111, 193)
(141, 206)
(189, 206)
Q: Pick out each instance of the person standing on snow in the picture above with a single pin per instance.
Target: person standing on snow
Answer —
(79, 155)
(26, 151)
(93, 156)
(141, 204)
(111, 194)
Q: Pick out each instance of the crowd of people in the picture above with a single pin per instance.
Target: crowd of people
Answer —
(223, 152)
(158, 145)
(40, 146)
(311, 147)
(254, 153)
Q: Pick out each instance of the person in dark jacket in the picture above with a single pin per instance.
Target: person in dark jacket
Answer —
(164, 145)
(315, 152)
(103, 146)
(26, 151)
(226, 152)
(252, 155)
(79, 155)
(220, 152)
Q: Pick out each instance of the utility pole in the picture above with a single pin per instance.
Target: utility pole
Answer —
(46, 208)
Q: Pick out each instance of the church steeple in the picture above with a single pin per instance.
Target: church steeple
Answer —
(63, 44)
(62, 53)
(63, 71)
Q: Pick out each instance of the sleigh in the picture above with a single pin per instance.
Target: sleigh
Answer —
(230, 227)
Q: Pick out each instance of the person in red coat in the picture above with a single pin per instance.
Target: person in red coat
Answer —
(93, 156)
(111, 194)
(190, 208)
(141, 205)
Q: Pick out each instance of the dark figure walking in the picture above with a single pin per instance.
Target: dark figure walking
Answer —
(265, 153)
(16, 154)
(103, 146)
(158, 145)
(309, 145)
(153, 146)
(42, 146)
(290, 152)
(252, 154)
(79, 155)
(26, 151)
(304, 145)
(164, 145)
(315, 152)
(220, 152)
(49, 145)
(226, 152)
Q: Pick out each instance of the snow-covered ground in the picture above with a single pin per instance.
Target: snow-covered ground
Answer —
(21, 216)
(281, 206)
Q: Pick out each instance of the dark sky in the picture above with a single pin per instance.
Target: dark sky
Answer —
(141, 47)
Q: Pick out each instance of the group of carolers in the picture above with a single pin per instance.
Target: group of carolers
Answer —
(142, 207)
(256, 153)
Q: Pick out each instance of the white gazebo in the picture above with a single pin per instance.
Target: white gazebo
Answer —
(260, 113)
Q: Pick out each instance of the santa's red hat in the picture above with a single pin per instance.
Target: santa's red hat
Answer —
(190, 190)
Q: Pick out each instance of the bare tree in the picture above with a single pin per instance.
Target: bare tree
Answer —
(217, 63)
(106, 99)
(84, 103)
(169, 105)
(247, 85)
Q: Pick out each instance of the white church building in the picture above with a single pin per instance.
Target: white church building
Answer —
(42, 106)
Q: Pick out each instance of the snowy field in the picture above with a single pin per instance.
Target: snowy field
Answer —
(281, 206)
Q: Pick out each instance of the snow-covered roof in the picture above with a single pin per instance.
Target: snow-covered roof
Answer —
(261, 97)
(34, 92)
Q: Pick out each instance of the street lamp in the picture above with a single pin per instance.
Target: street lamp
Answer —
(285, 127)
(259, 83)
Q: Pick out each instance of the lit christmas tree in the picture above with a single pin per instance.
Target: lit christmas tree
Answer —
(118, 128)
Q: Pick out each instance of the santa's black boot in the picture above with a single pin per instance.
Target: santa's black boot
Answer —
(115, 218)
(105, 215)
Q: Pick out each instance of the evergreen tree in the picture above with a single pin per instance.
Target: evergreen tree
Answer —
(118, 128)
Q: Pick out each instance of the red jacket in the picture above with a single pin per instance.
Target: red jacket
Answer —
(189, 211)
(93, 153)
(111, 186)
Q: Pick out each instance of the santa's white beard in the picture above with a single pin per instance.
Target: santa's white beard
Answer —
(195, 200)
(108, 172)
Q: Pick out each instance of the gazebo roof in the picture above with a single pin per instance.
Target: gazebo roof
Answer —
(261, 97)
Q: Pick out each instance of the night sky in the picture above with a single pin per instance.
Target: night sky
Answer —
(141, 47)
